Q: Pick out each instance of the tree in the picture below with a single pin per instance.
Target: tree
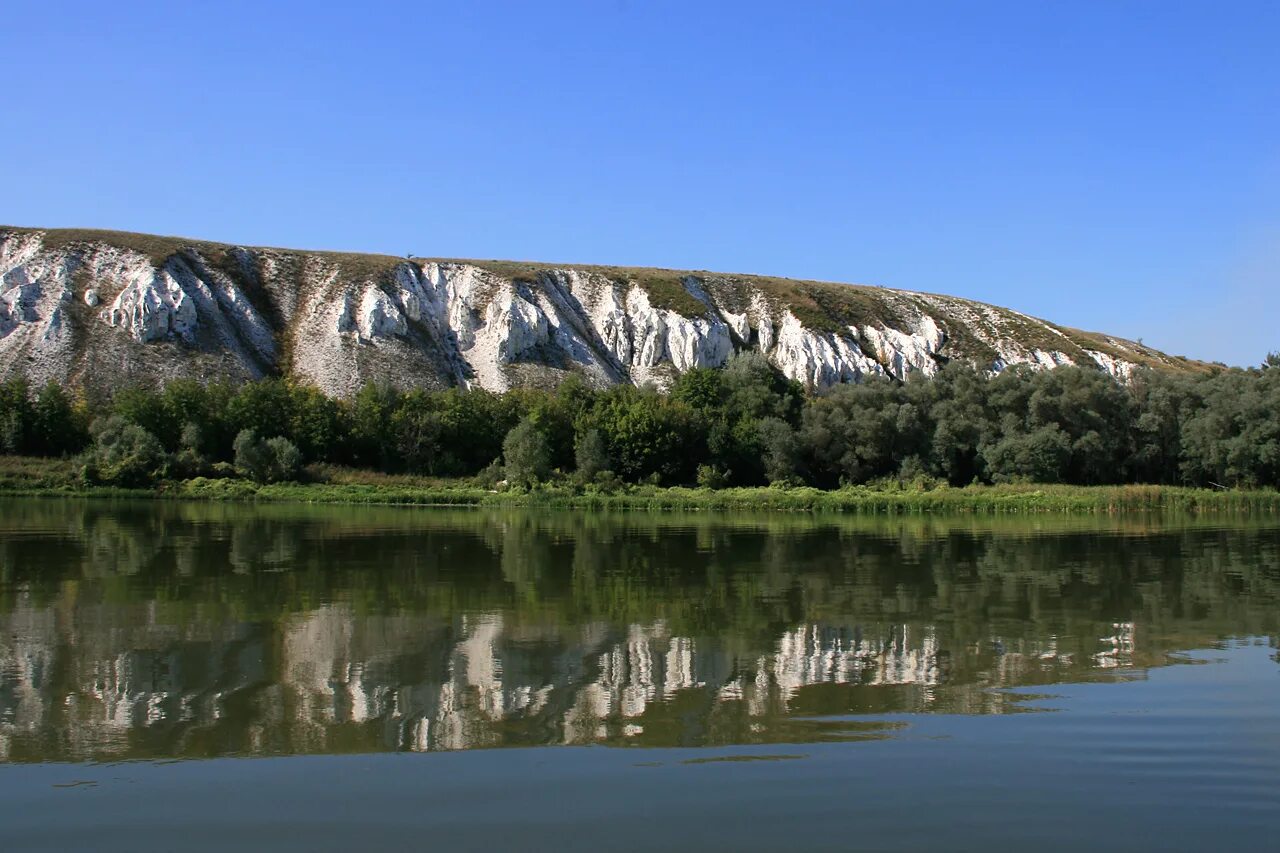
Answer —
(474, 423)
(1081, 409)
(186, 401)
(590, 456)
(701, 388)
(145, 407)
(57, 428)
(419, 431)
(316, 424)
(649, 435)
(272, 461)
(857, 433)
(1041, 456)
(372, 433)
(781, 449)
(754, 388)
(251, 460)
(265, 406)
(526, 454)
(16, 416)
(959, 421)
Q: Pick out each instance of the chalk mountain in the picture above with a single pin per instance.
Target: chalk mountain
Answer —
(102, 309)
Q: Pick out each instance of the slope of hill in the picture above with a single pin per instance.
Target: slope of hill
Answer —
(101, 309)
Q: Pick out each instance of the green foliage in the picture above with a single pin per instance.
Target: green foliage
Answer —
(527, 454)
(1041, 456)
(701, 388)
(781, 449)
(15, 416)
(316, 424)
(738, 426)
(50, 423)
(590, 455)
(265, 407)
(58, 426)
(711, 477)
(124, 454)
(190, 460)
(274, 460)
(861, 432)
(648, 435)
(252, 461)
(286, 460)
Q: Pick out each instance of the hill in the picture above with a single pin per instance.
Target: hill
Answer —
(102, 308)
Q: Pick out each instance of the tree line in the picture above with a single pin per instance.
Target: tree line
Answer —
(739, 425)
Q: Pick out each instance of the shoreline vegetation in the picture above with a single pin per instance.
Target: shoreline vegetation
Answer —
(737, 437)
(40, 477)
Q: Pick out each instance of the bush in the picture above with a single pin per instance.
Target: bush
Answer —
(272, 461)
(285, 460)
(711, 477)
(190, 460)
(606, 483)
(492, 475)
(124, 454)
(251, 456)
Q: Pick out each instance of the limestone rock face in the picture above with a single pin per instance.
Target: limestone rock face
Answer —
(101, 309)
(153, 309)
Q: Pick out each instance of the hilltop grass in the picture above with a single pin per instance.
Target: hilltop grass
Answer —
(331, 485)
(819, 305)
(159, 248)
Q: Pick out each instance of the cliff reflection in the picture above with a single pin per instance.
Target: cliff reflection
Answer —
(195, 630)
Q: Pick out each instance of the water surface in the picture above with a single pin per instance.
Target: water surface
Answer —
(313, 677)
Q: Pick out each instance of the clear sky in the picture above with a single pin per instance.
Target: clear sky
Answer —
(1108, 165)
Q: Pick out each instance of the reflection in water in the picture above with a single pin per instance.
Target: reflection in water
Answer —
(191, 630)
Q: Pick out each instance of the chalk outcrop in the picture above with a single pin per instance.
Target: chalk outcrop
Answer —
(102, 308)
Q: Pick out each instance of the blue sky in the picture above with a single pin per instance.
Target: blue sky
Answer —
(1108, 165)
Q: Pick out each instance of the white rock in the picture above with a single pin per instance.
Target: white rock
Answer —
(378, 316)
(154, 308)
(466, 325)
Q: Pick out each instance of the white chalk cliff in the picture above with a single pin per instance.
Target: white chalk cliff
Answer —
(104, 308)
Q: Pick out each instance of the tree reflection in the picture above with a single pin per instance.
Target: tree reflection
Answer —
(192, 630)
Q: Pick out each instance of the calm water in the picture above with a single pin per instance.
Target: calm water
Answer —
(196, 676)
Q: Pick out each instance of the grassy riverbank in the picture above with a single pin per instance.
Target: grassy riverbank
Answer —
(54, 477)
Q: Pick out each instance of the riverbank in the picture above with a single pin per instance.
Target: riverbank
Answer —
(59, 477)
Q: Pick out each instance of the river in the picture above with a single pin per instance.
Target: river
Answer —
(194, 676)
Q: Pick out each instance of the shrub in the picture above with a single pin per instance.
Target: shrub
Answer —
(272, 461)
(251, 456)
(190, 460)
(711, 477)
(285, 460)
(606, 483)
(124, 454)
(492, 475)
